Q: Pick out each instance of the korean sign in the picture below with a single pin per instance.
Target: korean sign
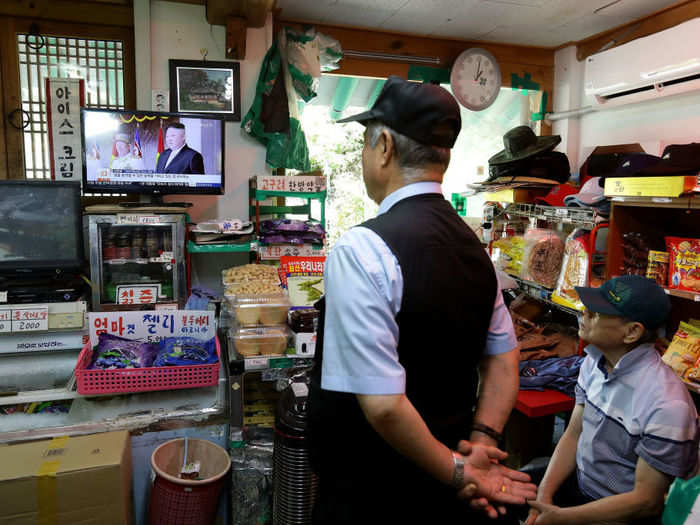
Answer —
(64, 97)
(153, 325)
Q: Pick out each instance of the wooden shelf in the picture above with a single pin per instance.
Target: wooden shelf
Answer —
(683, 294)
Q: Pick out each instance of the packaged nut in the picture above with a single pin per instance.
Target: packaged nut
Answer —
(250, 273)
(261, 340)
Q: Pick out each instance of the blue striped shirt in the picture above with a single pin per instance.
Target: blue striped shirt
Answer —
(640, 409)
(364, 287)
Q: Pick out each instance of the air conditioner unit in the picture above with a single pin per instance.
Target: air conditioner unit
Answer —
(663, 64)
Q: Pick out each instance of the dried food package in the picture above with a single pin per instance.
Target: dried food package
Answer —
(635, 250)
(574, 269)
(657, 267)
(176, 351)
(507, 254)
(542, 257)
(684, 260)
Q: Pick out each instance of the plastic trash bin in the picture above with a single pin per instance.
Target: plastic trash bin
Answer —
(176, 501)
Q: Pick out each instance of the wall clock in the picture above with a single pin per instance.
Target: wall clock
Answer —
(475, 79)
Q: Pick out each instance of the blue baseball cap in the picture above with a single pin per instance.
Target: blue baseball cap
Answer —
(631, 296)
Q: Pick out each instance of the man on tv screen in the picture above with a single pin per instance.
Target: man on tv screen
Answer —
(125, 159)
(179, 158)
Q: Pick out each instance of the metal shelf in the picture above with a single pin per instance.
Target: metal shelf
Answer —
(543, 294)
(221, 248)
(577, 216)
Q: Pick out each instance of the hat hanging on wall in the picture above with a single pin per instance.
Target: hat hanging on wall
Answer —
(521, 143)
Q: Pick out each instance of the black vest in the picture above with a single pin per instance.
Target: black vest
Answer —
(449, 288)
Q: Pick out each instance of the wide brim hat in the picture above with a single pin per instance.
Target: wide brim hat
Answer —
(552, 165)
(521, 143)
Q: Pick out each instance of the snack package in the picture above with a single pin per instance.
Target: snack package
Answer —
(657, 268)
(635, 247)
(507, 254)
(684, 264)
(176, 351)
(574, 269)
(118, 352)
(250, 273)
(542, 257)
(683, 352)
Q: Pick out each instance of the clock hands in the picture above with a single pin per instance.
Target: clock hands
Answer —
(478, 71)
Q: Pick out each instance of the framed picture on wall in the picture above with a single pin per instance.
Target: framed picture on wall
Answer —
(198, 86)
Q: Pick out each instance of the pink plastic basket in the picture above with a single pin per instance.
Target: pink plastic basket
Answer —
(128, 380)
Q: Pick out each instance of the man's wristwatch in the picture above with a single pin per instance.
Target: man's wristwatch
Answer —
(458, 470)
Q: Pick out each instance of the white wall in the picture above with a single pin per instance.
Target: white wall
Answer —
(653, 124)
(179, 31)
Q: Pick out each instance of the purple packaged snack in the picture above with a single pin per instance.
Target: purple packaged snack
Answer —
(117, 352)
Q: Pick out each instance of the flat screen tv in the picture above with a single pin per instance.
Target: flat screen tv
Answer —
(150, 152)
(40, 227)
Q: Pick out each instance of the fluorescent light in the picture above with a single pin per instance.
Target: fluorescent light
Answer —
(390, 57)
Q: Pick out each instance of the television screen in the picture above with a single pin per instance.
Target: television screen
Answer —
(40, 225)
(152, 152)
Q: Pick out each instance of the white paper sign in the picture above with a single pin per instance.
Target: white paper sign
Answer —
(3, 297)
(296, 183)
(275, 251)
(63, 100)
(40, 342)
(5, 321)
(153, 325)
(32, 318)
(132, 218)
(138, 294)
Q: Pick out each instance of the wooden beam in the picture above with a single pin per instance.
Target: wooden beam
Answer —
(77, 11)
(660, 20)
(255, 11)
(236, 32)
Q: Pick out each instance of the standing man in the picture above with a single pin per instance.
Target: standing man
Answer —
(416, 348)
(179, 157)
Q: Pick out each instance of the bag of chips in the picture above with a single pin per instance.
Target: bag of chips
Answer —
(684, 269)
(542, 257)
(684, 350)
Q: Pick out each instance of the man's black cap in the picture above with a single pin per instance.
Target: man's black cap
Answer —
(426, 113)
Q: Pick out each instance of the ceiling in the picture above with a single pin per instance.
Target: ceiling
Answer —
(547, 23)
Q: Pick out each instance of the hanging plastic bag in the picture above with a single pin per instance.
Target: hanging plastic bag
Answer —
(683, 505)
(303, 61)
(273, 118)
(330, 52)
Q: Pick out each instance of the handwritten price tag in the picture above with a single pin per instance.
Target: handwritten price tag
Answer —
(30, 319)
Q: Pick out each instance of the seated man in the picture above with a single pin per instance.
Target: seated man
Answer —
(634, 427)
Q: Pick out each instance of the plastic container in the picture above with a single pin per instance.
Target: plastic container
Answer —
(262, 340)
(264, 309)
(187, 501)
(128, 380)
(253, 288)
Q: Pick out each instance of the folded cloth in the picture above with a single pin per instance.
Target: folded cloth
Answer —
(556, 373)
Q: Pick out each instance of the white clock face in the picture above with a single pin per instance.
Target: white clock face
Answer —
(476, 79)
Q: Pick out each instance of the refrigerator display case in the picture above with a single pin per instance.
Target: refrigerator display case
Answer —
(137, 260)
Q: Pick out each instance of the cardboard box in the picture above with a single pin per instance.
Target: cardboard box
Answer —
(304, 344)
(66, 480)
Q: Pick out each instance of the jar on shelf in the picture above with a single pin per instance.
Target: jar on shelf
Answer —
(123, 250)
(167, 240)
(109, 245)
(152, 242)
(138, 244)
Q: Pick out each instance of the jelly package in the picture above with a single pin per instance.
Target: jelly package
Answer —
(176, 351)
(117, 352)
